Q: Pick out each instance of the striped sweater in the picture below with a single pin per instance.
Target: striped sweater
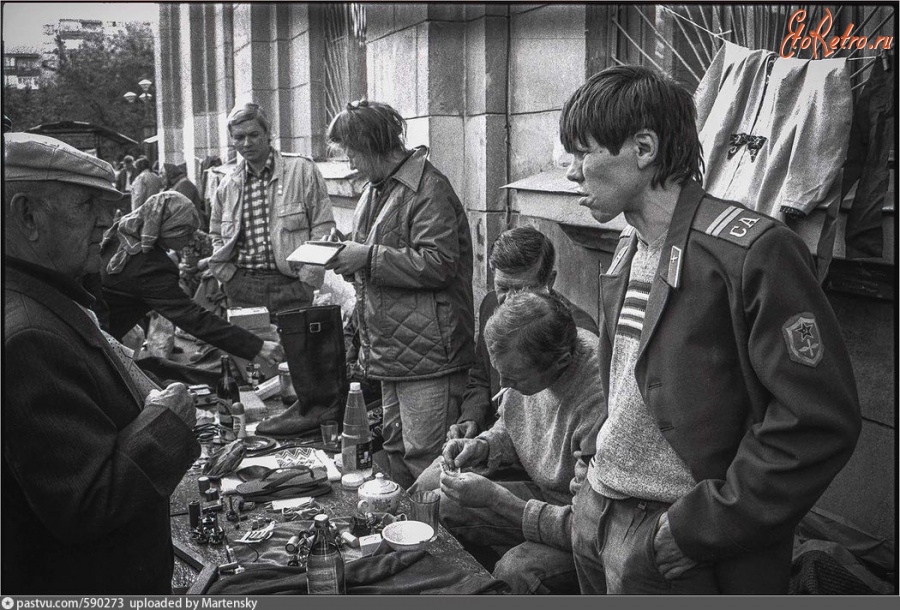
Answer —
(633, 459)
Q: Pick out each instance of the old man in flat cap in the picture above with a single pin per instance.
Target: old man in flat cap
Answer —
(91, 449)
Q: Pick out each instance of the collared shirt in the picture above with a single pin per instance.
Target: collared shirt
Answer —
(254, 250)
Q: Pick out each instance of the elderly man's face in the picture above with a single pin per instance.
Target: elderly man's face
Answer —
(74, 222)
(517, 372)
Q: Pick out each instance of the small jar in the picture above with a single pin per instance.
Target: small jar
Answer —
(288, 395)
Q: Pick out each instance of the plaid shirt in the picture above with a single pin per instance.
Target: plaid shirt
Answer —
(254, 251)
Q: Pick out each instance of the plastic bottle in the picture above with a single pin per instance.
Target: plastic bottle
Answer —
(356, 440)
(239, 425)
(227, 393)
(324, 563)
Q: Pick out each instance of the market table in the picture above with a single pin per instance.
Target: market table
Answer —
(196, 562)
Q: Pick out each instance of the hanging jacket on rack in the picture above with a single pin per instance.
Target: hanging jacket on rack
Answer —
(774, 133)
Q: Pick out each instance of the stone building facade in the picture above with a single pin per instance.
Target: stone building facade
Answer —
(482, 85)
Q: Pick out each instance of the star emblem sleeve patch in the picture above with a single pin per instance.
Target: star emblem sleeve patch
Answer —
(804, 342)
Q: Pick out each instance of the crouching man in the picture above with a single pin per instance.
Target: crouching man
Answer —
(549, 418)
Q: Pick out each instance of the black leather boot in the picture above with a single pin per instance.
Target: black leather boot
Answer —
(313, 343)
(297, 421)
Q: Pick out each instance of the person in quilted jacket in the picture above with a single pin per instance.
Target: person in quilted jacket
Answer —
(409, 257)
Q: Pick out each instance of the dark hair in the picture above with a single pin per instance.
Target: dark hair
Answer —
(617, 102)
(141, 164)
(520, 249)
(372, 129)
(248, 112)
(537, 324)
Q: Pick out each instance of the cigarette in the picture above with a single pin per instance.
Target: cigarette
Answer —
(499, 394)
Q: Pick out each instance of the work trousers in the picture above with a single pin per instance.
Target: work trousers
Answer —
(417, 415)
(270, 289)
(612, 542)
(528, 567)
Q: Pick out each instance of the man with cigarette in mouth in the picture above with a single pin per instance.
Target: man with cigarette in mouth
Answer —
(548, 421)
(521, 258)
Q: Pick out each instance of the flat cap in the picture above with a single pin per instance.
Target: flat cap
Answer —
(33, 157)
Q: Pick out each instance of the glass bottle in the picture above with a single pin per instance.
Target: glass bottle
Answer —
(356, 440)
(324, 563)
(227, 393)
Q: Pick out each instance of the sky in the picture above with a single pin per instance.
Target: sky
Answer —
(23, 22)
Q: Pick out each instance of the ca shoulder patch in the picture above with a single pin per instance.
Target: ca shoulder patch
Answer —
(804, 342)
(730, 221)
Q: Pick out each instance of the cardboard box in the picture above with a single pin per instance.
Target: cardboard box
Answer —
(250, 318)
(204, 398)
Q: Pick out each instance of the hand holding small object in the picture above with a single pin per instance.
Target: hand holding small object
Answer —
(448, 467)
(178, 399)
(470, 489)
(350, 258)
(462, 452)
(271, 352)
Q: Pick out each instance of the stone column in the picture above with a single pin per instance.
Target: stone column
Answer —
(305, 84)
(169, 84)
(486, 138)
(223, 66)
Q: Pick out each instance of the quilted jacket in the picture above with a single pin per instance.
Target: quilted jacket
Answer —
(414, 306)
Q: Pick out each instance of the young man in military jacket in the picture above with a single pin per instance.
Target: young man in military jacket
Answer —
(731, 401)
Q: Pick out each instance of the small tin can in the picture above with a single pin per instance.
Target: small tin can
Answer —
(203, 483)
(194, 513)
(288, 395)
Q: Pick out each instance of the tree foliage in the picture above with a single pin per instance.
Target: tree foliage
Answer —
(87, 84)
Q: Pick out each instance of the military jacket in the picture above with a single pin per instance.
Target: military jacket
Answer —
(742, 363)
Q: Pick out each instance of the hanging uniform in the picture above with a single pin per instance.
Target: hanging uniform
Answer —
(774, 133)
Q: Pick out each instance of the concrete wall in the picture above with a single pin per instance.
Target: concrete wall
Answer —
(865, 491)
(547, 58)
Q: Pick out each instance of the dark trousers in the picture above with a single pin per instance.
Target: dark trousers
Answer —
(271, 289)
